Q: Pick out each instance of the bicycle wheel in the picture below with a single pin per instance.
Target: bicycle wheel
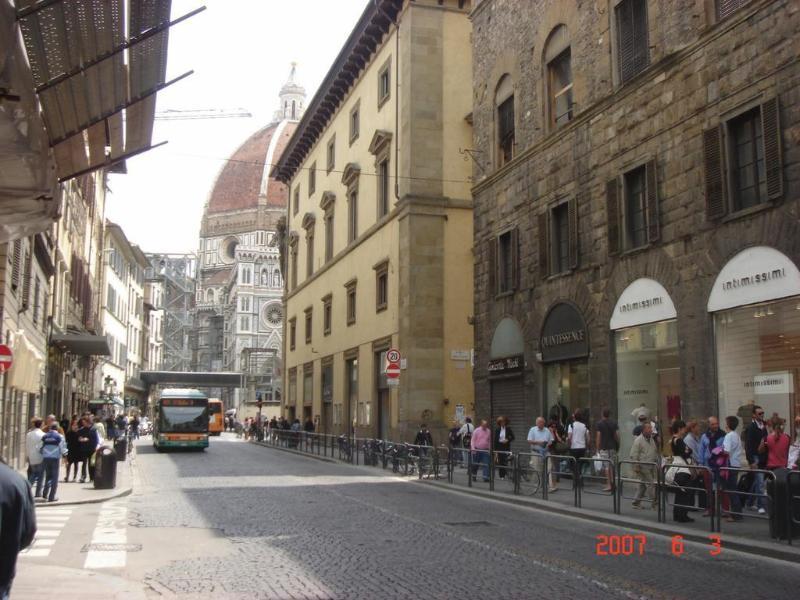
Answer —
(529, 482)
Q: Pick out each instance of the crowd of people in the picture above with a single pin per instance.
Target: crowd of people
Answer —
(259, 428)
(699, 461)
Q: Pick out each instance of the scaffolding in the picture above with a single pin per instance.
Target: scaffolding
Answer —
(177, 275)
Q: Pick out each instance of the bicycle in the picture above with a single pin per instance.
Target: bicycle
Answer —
(530, 478)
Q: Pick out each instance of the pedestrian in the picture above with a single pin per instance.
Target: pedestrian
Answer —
(681, 474)
(644, 452)
(65, 422)
(50, 420)
(578, 439)
(111, 429)
(35, 465)
(465, 435)
(454, 443)
(754, 436)
(99, 428)
(607, 444)
(732, 451)
(18, 523)
(480, 445)
(53, 447)
(423, 437)
(135, 427)
(540, 438)
(73, 451)
(777, 446)
(88, 442)
(503, 436)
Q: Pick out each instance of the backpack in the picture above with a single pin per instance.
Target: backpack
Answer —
(453, 436)
(467, 437)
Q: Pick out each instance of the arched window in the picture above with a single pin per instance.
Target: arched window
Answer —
(264, 277)
(504, 104)
(210, 296)
(558, 67)
(276, 279)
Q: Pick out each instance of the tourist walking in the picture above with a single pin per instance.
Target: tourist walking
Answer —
(503, 436)
(776, 446)
(88, 443)
(643, 451)
(73, 451)
(53, 447)
(480, 445)
(607, 444)
(35, 465)
(578, 440)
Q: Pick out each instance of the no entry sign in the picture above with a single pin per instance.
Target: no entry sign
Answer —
(392, 370)
(6, 358)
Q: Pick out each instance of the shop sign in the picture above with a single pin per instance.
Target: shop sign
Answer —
(501, 366)
(757, 274)
(643, 301)
(564, 334)
(460, 414)
(771, 383)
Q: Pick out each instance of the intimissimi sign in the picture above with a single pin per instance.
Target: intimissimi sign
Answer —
(564, 334)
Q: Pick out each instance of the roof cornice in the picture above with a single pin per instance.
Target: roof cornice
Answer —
(353, 58)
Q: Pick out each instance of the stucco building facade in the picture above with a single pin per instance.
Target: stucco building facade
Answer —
(636, 222)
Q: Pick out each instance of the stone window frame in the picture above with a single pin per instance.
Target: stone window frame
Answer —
(293, 243)
(506, 283)
(292, 386)
(330, 157)
(308, 313)
(296, 200)
(623, 75)
(328, 207)
(308, 376)
(327, 314)
(381, 280)
(725, 8)
(545, 236)
(350, 178)
(381, 146)
(385, 72)
(557, 44)
(292, 333)
(309, 223)
(717, 160)
(351, 306)
(354, 122)
(312, 179)
(504, 93)
(617, 197)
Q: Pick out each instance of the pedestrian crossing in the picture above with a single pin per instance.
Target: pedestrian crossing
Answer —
(107, 549)
(49, 524)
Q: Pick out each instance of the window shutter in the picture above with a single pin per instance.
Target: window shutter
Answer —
(572, 217)
(26, 282)
(515, 259)
(612, 215)
(770, 124)
(544, 258)
(653, 223)
(492, 266)
(16, 264)
(633, 55)
(715, 188)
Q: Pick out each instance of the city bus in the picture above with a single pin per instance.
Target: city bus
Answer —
(181, 420)
(216, 420)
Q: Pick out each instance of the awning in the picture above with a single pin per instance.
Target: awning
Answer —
(82, 344)
(26, 370)
(135, 384)
(103, 401)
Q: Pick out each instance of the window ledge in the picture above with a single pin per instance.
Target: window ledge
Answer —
(384, 100)
(746, 212)
(504, 294)
(560, 275)
(638, 250)
(380, 308)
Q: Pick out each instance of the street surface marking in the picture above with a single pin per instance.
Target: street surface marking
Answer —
(49, 523)
(111, 528)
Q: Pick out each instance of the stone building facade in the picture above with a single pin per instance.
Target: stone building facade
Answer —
(636, 208)
(239, 308)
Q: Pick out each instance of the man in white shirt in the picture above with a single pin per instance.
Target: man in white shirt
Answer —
(539, 440)
(732, 445)
(32, 440)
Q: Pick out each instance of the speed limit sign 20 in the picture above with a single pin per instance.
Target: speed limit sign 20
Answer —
(393, 356)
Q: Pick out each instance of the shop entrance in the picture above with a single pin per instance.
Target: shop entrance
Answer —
(382, 396)
(326, 426)
(508, 400)
(566, 389)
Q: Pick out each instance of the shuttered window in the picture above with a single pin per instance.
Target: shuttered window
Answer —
(560, 238)
(635, 220)
(16, 265)
(505, 129)
(507, 258)
(632, 207)
(26, 281)
(632, 47)
(726, 8)
(544, 244)
(743, 161)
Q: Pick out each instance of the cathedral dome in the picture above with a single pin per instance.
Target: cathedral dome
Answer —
(244, 181)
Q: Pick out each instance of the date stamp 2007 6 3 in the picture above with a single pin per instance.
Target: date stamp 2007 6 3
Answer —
(635, 545)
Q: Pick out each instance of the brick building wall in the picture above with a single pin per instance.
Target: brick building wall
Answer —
(703, 69)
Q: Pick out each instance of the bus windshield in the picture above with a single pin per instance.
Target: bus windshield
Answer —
(191, 416)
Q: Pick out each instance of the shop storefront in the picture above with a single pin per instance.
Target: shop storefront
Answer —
(646, 349)
(564, 353)
(755, 304)
(506, 388)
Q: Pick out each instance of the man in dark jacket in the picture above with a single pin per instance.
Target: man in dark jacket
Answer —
(88, 441)
(17, 524)
(423, 437)
(756, 433)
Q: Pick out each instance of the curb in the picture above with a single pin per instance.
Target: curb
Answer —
(298, 453)
(124, 492)
(739, 544)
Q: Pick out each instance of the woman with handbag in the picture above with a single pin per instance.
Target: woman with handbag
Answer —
(681, 474)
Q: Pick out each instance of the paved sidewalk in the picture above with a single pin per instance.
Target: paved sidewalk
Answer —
(84, 493)
(37, 581)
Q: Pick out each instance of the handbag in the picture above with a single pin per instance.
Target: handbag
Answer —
(560, 448)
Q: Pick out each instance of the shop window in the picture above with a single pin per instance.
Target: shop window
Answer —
(381, 286)
(725, 8)
(632, 45)
(504, 102)
(292, 333)
(350, 288)
(558, 238)
(330, 162)
(308, 384)
(293, 387)
(743, 163)
(632, 209)
(504, 261)
(385, 82)
(309, 322)
(312, 179)
(327, 314)
(355, 122)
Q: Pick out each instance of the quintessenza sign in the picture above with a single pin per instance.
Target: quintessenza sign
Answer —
(562, 338)
(564, 334)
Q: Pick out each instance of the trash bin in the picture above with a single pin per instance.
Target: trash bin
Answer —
(121, 448)
(105, 468)
(778, 523)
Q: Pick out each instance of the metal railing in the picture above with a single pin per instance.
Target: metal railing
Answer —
(675, 487)
(792, 505)
(644, 483)
(607, 466)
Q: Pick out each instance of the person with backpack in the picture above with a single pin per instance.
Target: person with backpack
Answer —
(52, 447)
(465, 437)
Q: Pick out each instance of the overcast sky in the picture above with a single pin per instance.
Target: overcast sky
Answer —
(240, 51)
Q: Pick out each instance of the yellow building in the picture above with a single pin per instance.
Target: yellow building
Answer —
(379, 241)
